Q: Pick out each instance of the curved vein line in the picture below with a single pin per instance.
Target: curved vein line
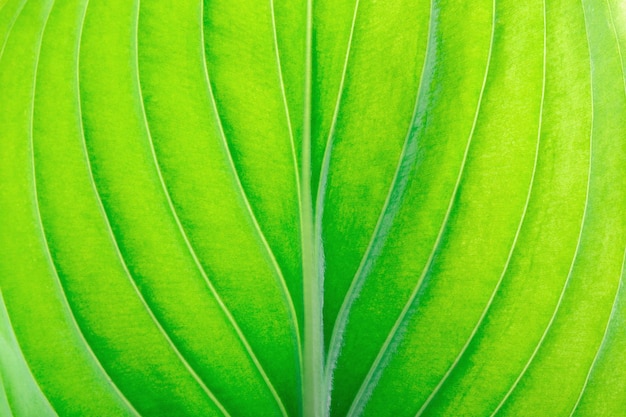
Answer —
(121, 258)
(242, 193)
(395, 187)
(515, 239)
(618, 44)
(48, 253)
(3, 3)
(604, 338)
(3, 391)
(23, 358)
(571, 269)
(279, 273)
(10, 29)
(125, 266)
(623, 271)
(284, 95)
(188, 244)
(231, 163)
(359, 401)
(18, 12)
(619, 48)
(294, 156)
(321, 185)
(321, 189)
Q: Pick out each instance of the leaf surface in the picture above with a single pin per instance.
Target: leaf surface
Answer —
(312, 208)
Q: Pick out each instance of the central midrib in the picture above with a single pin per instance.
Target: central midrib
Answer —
(313, 392)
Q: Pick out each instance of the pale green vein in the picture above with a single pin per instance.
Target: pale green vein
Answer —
(321, 190)
(618, 44)
(118, 252)
(602, 345)
(188, 244)
(383, 223)
(372, 376)
(231, 163)
(14, 341)
(2, 304)
(623, 270)
(5, 406)
(293, 150)
(285, 104)
(281, 279)
(242, 193)
(321, 186)
(315, 400)
(10, 29)
(515, 239)
(571, 268)
(44, 238)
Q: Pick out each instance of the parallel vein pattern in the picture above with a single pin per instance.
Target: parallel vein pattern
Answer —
(316, 208)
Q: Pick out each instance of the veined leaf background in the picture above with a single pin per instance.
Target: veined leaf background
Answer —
(285, 208)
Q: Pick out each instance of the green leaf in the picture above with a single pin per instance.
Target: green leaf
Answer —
(313, 208)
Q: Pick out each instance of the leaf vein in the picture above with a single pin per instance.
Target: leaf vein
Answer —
(48, 253)
(367, 385)
(4, 311)
(605, 334)
(388, 211)
(573, 262)
(321, 186)
(601, 347)
(120, 256)
(515, 239)
(280, 277)
(293, 155)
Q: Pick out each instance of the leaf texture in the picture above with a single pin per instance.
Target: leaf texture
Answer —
(313, 208)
